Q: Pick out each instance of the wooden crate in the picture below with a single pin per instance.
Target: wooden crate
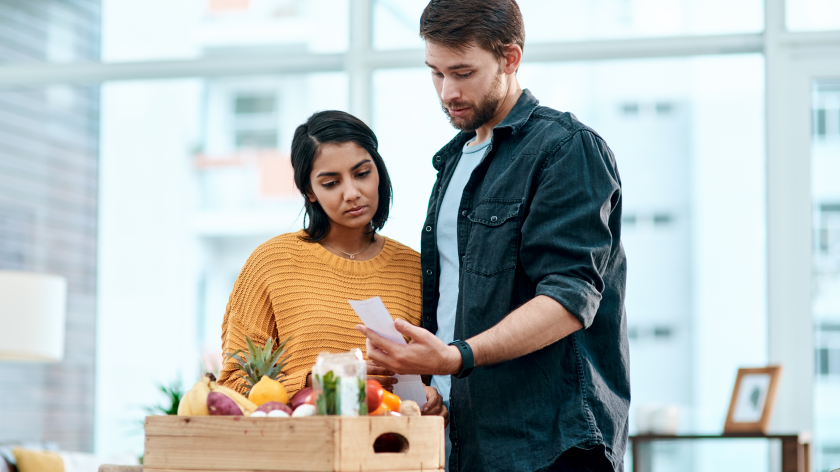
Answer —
(317, 444)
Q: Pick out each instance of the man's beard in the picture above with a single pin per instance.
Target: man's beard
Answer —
(483, 112)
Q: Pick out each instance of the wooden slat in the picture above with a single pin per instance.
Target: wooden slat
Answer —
(442, 461)
(358, 435)
(301, 452)
(234, 443)
(325, 444)
(147, 469)
(239, 426)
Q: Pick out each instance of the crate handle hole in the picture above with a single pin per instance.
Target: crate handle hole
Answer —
(390, 443)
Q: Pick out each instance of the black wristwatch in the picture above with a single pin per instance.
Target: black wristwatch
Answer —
(466, 357)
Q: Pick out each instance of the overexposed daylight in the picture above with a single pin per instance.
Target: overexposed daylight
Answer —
(148, 162)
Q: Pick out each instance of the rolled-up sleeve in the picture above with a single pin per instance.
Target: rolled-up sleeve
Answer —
(566, 236)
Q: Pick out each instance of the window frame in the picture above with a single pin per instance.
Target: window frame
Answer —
(793, 61)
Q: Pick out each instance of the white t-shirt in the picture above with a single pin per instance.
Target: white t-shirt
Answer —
(447, 245)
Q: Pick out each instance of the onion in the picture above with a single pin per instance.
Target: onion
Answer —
(300, 397)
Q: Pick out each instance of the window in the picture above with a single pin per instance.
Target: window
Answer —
(57, 32)
(396, 21)
(825, 165)
(827, 113)
(812, 15)
(255, 121)
(828, 351)
(828, 232)
(183, 205)
(679, 216)
(194, 172)
(162, 29)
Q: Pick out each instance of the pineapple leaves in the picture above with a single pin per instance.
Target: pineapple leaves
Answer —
(261, 361)
(253, 350)
(236, 357)
(267, 350)
(274, 358)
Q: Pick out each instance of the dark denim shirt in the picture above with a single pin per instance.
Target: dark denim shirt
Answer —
(540, 215)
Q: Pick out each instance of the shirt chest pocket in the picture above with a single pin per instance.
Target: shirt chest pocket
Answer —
(494, 237)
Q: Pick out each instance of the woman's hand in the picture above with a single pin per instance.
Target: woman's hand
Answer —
(434, 405)
(383, 375)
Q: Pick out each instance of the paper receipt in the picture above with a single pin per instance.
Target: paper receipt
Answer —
(375, 316)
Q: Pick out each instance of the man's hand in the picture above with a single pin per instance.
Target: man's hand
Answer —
(434, 405)
(424, 355)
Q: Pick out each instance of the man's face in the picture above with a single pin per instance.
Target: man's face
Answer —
(469, 84)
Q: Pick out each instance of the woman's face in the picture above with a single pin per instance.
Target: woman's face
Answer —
(344, 180)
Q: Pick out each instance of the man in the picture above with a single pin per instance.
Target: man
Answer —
(522, 263)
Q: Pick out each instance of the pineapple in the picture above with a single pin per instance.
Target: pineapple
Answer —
(261, 362)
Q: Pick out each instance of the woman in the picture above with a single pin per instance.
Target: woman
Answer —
(297, 284)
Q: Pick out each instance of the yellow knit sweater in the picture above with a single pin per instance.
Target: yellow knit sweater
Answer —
(289, 287)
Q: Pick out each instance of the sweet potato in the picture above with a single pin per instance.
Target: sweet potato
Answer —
(220, 405)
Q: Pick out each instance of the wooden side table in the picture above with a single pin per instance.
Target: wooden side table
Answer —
(795, 448)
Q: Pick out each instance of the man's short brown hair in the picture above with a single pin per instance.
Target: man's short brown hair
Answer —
(492, 25)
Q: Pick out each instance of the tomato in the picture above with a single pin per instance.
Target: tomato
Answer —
(374, 394)
(391, 401)
(312, 397)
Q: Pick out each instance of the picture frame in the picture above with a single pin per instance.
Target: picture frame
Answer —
(752, 400)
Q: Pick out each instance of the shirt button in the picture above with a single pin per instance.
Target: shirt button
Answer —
(428, 271)
(428, 228)
(437, 158)
(493, 219)
(464, 213)
(462, 258)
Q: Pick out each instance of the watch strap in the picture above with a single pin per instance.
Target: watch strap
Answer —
(466, 356)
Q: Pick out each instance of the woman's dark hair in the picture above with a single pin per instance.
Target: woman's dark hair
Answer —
(334, 127)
